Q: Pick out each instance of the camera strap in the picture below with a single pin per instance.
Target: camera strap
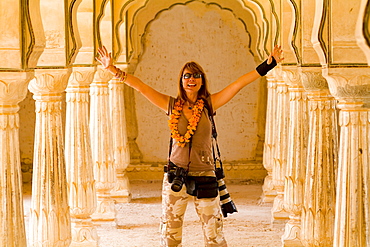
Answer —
(216, 153)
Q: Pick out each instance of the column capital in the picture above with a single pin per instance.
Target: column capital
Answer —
(313, 80)
(292, 76)
(13, 87)
(81, 76)
(102, 75)
(48, 81)
(349, 85)
(278, 73)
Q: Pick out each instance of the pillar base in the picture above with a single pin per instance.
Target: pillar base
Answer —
(279, 215)
(121, 192)
(105, 211)
(268, 192)
(122, 196)
(292, 235)
(84, 233)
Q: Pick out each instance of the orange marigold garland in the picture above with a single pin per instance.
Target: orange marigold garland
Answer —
(192, 125)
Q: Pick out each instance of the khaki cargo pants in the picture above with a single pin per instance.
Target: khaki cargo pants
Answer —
(173, 210)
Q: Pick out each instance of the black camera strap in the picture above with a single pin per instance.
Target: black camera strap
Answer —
(216, 153)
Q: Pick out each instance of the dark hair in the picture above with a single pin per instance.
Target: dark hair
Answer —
(193, 67)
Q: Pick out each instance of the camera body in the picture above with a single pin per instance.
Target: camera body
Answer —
(177, 178)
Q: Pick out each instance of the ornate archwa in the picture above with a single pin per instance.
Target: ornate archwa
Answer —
(261, 27)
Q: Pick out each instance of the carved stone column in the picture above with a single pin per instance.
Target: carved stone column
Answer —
(13, 89)
(296, 158)
(121, 192)
(319, 195)
(279, 214)
(268, 191)
(80, 175)
(131, 118)
(101, 144)
(351, 86)
(50, 218)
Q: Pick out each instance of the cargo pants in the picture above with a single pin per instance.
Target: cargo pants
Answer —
(173, 210)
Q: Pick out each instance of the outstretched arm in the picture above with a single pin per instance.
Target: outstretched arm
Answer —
(225, 95)
(155, 97)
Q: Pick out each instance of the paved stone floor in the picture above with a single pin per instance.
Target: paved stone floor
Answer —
(138, 221)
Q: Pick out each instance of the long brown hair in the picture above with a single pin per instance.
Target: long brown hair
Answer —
(193, 67)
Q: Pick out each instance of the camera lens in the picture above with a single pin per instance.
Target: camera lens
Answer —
(176, 185)
(179, 179)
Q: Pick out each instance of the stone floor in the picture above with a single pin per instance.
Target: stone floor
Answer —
(138, 221)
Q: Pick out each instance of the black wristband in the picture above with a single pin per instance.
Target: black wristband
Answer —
(263, 68)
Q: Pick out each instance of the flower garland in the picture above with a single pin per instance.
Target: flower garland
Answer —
(192, 125)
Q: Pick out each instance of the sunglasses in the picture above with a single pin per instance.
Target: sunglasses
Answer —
(195, 75)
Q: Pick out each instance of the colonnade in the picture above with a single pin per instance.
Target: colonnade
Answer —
(76, 181)
(318, 157)
(65, 191)
(316, 149)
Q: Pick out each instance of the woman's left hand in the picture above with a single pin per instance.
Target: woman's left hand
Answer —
(277, 53)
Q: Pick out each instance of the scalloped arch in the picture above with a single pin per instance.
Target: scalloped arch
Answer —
(250, 13)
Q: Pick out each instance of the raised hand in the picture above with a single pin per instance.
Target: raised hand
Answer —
(277, 53)
(105, 57)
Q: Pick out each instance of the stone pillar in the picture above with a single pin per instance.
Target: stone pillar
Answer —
(351, 87)
(296, 157)
(319, 195)
(121, 152)
(101, 144)
(50, 218)
(279, 214)
(131, 118)
(13, 89)
(268, 191)
(80, 175)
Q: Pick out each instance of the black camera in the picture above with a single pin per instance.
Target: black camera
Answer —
(179, 179)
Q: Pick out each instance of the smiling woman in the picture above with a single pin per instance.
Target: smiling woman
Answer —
(190, 160)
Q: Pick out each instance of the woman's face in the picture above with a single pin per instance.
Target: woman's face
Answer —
(191, 82)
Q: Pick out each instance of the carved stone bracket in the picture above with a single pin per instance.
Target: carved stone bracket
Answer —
(313, 80)
(349, 84)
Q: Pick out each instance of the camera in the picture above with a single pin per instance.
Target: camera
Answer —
(179, 179)
(227, 205)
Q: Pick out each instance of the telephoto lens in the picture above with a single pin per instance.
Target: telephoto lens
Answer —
(227, 205)
(179, 179)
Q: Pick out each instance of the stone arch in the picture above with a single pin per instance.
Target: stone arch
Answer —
(234, 57)
(251, 14)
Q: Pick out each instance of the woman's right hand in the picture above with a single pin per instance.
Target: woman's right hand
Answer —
(105, 57)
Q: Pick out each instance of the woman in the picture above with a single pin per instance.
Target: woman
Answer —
(190, 171)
